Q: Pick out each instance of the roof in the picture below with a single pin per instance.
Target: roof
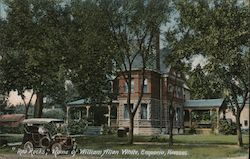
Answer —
(40, 120)
(11, 117)
(79, 102)
(204, 103)
(151, 63)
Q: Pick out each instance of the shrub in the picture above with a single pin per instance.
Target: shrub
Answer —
(158, 139)
(192, 130)
(108, 130)
(54, 113)
(11, 130)
(77, 127)
(227, 127)
(55, 129)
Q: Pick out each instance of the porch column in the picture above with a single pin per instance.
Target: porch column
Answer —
(109, 112)
(67, 115)
(190, 117)
(87, 112)
(218, 118)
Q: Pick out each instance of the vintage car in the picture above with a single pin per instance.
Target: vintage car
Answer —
(43, 133)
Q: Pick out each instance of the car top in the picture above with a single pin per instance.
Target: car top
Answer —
(41, 120)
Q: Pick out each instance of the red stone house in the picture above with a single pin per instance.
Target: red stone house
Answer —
(152, 114)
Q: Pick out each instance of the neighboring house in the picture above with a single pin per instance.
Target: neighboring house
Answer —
(244, 116)
(160, 82)
(11, 120)
(200, 113)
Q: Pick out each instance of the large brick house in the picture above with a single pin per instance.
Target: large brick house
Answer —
(152, 115)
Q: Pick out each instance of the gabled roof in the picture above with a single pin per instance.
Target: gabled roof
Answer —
(206, 103)
(11, 117)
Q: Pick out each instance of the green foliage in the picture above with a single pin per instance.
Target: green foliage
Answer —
(227, 127)
(89, 50)
(158, 139)
(108, 130)
(218, 30)
(54, 129)
(192, 130)
(77, 127)
(20, 109)
(202, 87)
(30, 50)
(54, 113)
(11, 130)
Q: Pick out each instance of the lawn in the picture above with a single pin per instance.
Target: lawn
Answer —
(195, 146)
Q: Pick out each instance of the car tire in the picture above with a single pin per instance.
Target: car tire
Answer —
(44, 142)
(56, 148)
(28, 146)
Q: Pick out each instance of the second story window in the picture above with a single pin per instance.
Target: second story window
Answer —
(132, 86)
(178, 92)
(145, 88)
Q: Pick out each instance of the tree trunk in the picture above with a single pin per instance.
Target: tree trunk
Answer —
(26, 112)
(171, 124)
(131, 130)
(239, 134)
(38, 105)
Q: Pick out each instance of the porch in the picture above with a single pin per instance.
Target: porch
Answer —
(203, 115)
(96, 115)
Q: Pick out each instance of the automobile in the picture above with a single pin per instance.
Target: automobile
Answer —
(48, 134)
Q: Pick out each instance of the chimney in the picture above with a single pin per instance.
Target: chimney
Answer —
(157, 49)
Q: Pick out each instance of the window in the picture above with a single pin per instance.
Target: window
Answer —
(170, 88)
(177, 115)
(178, 92)
(144, 111)
(126, 111)
(132, 86)
(245, 123)
(145, 88)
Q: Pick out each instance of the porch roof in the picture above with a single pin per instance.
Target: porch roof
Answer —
(204, 103)
(78, 102)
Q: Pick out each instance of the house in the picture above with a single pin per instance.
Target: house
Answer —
(244, 116)
(160, 83)
(11, 120)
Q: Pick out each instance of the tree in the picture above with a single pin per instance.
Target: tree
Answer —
(89, 50)
(219, 31)
(178, 68)
(201, 86)
(135, 29)
(31, 46)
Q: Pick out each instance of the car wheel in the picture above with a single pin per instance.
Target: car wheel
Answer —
(44, 142)
(56, 148)
(28, 146)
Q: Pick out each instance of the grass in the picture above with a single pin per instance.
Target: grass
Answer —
(12, 137)
(197, 146)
